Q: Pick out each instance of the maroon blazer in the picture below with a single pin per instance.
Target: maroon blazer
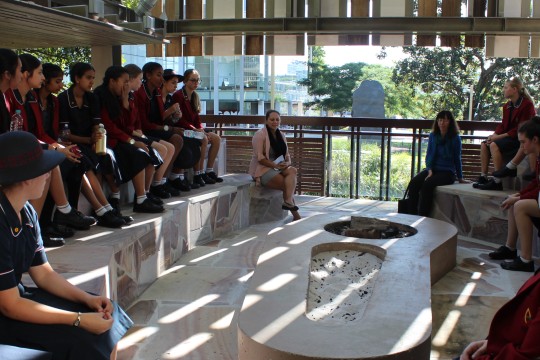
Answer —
(145, 103)
(515, 329)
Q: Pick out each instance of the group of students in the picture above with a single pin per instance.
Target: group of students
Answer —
(144, 118)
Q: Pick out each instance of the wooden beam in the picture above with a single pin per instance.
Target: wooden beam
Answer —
(427, 8)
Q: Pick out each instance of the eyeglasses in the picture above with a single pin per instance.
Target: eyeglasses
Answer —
(198, 81)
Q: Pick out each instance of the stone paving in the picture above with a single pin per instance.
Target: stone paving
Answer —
(190, 312)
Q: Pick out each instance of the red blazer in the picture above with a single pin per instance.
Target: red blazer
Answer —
(523, 111)
(143, 101)
(32, 99)
(120, 128)
(190, 118)
(515, 329)
(531, 190)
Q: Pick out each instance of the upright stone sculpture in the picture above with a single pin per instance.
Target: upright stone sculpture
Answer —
(368, 100)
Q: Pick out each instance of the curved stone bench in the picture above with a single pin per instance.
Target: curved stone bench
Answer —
(397, 321)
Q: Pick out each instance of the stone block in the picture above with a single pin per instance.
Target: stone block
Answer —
(265, 205)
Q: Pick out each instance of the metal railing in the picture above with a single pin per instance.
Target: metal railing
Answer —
(358, 132)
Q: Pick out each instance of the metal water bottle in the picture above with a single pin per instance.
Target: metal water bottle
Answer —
(101, 144)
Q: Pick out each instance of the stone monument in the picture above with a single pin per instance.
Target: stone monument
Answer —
(368, 100)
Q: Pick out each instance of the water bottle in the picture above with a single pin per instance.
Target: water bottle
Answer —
(63, 136)
(101, 144)
(16, 123)
(194, 134)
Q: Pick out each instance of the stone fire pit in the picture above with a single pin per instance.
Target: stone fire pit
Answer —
(281, 319)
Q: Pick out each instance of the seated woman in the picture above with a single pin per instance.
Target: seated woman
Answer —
(190, 106)
(56, 317)
(271, 162)
(504, 142)
(443, 164)
(522, 207)
(514, 330)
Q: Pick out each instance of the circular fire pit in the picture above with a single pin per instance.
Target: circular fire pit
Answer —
(370, 228)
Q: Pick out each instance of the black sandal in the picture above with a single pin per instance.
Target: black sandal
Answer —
(289, 207)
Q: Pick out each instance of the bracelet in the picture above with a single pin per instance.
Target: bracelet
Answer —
(77, 322)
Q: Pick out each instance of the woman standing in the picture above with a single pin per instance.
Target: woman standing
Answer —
(56, 316)
(271, 162)
(443, 164)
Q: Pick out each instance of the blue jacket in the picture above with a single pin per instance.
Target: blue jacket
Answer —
(444, 154)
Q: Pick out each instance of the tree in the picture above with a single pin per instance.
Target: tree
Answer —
(331, 86)
(444, 75)
(63, 57)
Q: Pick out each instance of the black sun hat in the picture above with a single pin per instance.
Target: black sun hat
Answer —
(170, 73)
(23, 158)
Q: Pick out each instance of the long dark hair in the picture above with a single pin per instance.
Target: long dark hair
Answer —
(453, 128)
(531, 128)
(9, 60)
(78, 70)
(51, 71)
(277, 143)
(29, 63)
(109, 100)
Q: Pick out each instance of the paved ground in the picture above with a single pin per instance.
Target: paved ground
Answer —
(190, 312)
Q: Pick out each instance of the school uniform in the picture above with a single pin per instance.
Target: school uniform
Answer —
(21, 248)
(513, 116)
(5, 117)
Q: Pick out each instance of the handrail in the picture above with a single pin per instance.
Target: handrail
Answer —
(357, 131)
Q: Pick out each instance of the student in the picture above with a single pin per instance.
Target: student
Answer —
(56, 316)
(269, 145)
(503, 141)
(522, 207)
(190, 105)
(151, 112)
(10, 77)
(132, 155)
(443, 164)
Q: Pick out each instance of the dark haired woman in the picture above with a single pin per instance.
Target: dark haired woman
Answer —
(10, 77)
(55, 316)
(132, 155)
(190, 106)
(271, 162)
(523, 211)
(151, 113)
(443, 164)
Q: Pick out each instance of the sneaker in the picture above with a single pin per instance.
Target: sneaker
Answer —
(179, 184)
(505, 172)
(528, 175)
(50, 242)
(156, 200)
(110, 220)
(518, 265)
(197, 179)
(491, 185)
(57, 231)
(74, 219)
(481, 181)
(207, 179)
(503, 253)
(214, 176)
(160, 191)
(147, 206)
(171, 189)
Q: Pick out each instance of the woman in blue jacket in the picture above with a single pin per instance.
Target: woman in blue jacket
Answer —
(443, 164)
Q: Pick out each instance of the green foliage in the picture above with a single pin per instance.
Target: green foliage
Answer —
(130, 4)
(444, 75)
(63, 57)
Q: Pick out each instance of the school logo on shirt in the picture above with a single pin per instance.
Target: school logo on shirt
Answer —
(528, 315)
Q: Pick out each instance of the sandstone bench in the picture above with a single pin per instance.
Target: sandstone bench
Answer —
(397, 321)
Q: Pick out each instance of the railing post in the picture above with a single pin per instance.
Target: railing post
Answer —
(388, 158)
(381, 164)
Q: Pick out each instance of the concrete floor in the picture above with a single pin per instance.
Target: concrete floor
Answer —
(190, 312)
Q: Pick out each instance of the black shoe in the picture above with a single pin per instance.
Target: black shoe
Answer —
(50, 242)
(127, 219)
(179, 184)
(505, 172)
(147, 206)
(528, 175)
(214, 176)
(481, 181)
(195, 185)
(57, 231)
(156, 200)
(161, 191)
(114, 202)
(518, 265)
(74, 219)
(184, 185)
(207, 179)
(491, 185)
(110, 220)
(197, 179)
(171, 189)
(503, 253)
(288, 206)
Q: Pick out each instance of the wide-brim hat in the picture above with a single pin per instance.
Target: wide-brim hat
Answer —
(23, 158)
(170, 73)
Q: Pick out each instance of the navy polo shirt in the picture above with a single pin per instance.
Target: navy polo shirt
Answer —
(81, 120)
(21, 245)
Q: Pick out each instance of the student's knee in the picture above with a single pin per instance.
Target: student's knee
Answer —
(177, 141)
(493, 147)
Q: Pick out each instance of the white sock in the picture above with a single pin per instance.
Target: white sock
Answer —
(115, 195)
(497, 180)
(64, 209)
(156, 183)
(108, 207)
(525, 261)
(173, 176)
(181, 176)
(209, 170)
(511, 166)
(140, 199)
(101, 211)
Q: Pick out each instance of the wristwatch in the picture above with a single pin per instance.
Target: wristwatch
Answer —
(78, 321)
(166, 127)
(132, 141)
